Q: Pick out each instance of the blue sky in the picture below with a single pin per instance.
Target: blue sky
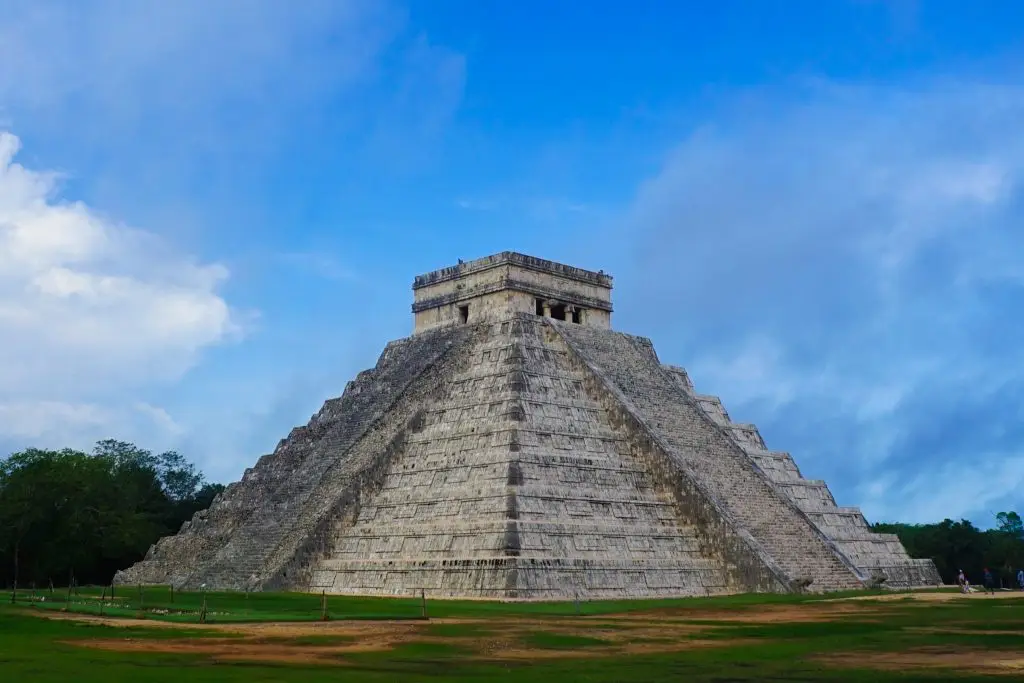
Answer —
(211, 213)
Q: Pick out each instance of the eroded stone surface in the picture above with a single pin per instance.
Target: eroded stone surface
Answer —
(506, 454)
(871, 553)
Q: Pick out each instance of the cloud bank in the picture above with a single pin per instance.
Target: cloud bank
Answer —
(115, 54)
(189, 117)
(227, 80)
(89, 309)
(842, 264)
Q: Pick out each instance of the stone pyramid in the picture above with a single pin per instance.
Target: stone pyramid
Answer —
(515, 447)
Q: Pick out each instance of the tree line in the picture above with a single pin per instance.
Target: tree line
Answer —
(961, 545)
(66, 515)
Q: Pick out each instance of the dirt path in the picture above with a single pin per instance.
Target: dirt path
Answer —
(675, 619)
(819, 611)
(485, 639)
(944, 596)
(967, 661)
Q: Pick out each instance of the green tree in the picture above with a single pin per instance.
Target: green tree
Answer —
(67, 512)
(1010, 523)
(180, 479)
(961, 545)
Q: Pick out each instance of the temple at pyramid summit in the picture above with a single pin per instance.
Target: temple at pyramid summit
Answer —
(515, 446)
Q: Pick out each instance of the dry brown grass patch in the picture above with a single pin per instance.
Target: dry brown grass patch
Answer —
(766, 614)
(944, 596)
(256, 641)
(962, 660)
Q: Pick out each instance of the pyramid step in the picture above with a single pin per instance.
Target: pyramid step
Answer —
(717, 464)
(499, 460)
(536, 578)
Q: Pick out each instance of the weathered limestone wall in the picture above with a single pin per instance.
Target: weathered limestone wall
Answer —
(499, 286)
(871, 553)
(721, 477)
(518, 487)
(354, 484)
(229, 545)
(496, 306)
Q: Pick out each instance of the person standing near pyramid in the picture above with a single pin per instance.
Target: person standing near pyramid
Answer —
(990, 584)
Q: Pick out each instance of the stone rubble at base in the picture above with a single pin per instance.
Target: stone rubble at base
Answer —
(515, 447)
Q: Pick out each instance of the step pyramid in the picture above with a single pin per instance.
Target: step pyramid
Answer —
(516, 447)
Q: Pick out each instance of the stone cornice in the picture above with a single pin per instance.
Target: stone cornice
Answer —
(515, 285)
(516, 259)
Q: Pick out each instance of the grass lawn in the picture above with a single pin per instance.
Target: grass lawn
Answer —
(282, 637)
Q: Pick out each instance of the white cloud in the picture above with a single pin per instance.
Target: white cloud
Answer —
(89, 308)
(166, 112)
(59, 424)
(977, 484)
(31, 420)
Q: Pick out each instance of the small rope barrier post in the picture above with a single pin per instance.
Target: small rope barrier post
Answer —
(323, 606)
(423, 598)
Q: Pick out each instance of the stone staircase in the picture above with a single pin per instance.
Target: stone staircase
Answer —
(704, 453)
(870, 553)
(518, 487)
(244, 560)
(253, 517)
